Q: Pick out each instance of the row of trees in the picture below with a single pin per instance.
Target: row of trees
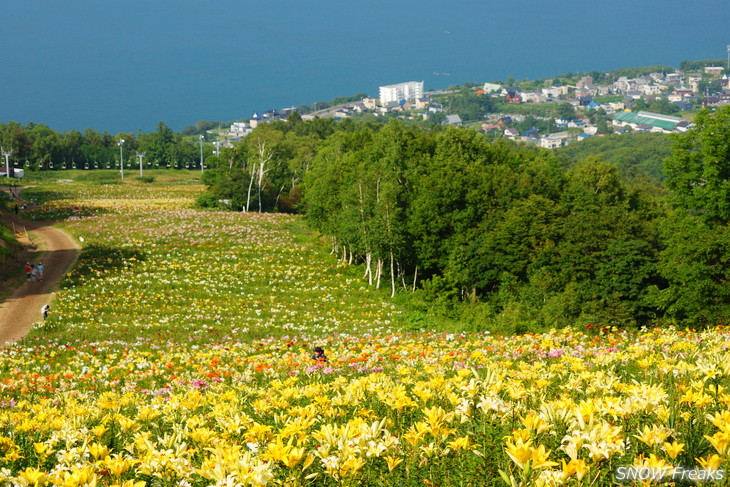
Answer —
(39, 147)
(532, 238)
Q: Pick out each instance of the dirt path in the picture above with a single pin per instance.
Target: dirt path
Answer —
(58, 251)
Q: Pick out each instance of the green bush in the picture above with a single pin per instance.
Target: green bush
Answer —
(207, 200)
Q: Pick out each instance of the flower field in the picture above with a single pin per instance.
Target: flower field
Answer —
(178, 354)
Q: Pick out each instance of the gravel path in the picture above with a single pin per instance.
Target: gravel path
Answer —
(58, 252)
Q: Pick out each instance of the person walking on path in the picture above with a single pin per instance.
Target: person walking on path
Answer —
(39, 269)
(44, 311)
(27, 271)
(21, 310)
(33, 273)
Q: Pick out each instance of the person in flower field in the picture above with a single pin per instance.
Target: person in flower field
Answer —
(319, 355)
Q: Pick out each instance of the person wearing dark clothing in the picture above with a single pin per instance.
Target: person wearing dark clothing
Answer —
(319, 355)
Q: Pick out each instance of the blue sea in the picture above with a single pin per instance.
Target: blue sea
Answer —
(124, 66)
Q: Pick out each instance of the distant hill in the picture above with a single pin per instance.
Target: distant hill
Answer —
(633, 153)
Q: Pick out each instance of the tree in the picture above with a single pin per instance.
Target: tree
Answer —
(662, 105)
(698, 172)
(696, 261)
(565, 111)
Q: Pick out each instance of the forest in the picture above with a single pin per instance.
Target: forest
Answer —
(620, 230)
(518, 235)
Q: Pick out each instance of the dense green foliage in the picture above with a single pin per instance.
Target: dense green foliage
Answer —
(37, 147)
(486, 222)
(200, 127)
(467, 104)
(265, 171)
(513, 235)
(696, 261)
(700, 64)
(614, 230)
(634, 154)
(8, 242)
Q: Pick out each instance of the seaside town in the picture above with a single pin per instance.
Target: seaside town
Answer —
(624, 105)
(546, 113)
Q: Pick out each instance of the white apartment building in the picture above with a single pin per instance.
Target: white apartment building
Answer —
(410, 91)
(651, 89)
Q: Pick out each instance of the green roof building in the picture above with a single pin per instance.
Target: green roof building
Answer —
(655, 122)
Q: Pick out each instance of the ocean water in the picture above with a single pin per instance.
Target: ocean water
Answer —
(124, 66)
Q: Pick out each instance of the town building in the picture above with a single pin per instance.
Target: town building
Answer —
(585, 82)
(714, 70)
(491, 87)
(453, 120)
(410, 91)
(647, 121)
(370, 103)
(551, 141)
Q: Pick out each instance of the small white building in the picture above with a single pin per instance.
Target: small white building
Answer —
(551, 141)
(454, 120)
(239, 128)
(370, 103)
(651, 89)
(492, 87)
(714, 70)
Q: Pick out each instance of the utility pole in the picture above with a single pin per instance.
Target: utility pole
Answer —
(201, 153)
(7, 155)
(121, 159)
(140, 155)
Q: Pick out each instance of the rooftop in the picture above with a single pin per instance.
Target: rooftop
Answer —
(651, 119)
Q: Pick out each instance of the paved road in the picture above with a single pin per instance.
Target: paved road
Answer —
(58, 251)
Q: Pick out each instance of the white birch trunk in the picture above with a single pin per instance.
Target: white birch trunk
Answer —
(248, 198)
(378, 273)
(260, 182)
(369, 268)
(392, 275)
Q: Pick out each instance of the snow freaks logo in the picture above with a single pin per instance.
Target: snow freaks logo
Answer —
(676, 474)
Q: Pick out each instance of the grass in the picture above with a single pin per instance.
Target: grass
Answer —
(154, 267)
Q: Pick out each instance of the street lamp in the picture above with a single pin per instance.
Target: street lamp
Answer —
(121, 160)
(140, 155)
(201, 153)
